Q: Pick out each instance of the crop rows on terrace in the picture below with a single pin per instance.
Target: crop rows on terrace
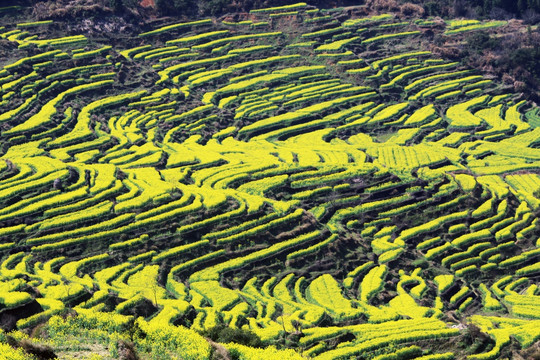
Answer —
(327, 185)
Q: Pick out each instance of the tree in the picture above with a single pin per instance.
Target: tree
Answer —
(213, 7)
(116, 5)
(459, 8)
(521, 6)
(176, 7)
(481, 40)
(432, 8)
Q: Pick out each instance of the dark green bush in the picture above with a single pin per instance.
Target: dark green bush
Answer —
(481, 40)
(175, 7)
(225, 334)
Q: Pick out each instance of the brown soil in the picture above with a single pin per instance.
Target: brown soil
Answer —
(219, 351)
(148, 3)
(9, 317)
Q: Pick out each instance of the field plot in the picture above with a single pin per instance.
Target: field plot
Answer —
(328, 187)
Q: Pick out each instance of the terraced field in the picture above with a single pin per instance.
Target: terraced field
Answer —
(316, 179)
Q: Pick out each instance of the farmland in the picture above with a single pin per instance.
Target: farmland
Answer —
(320, 181)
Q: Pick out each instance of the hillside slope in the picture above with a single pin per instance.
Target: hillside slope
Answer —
(289, 178)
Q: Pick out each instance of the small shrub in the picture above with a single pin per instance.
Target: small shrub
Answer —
(409, 9)
(481, 40)
(225, 334)
(386, 5)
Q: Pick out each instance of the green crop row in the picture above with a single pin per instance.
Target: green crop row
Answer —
(59, 42)
(501, 213)
(129, 243)
(518, 259)
(70, 270)
(432, 225)
(166, 73)
(337, 45)
(312, 249)
(460, 115)
(413, 73)
(389, 113)
(288, 13)
(325, 291)
(466, 239)
(459, 295)
(321, 33)
(529, 270)
(318, 19)
(25, 172)
(41, 203)
(91, 53)
(260, 228)
(390, 255)
(115, 190)
(190, 263)
(278, 75)
(225, 40)
(38, 57)
(241, 227)
(300, 5)
(343, 214)
(216, 219)
(509, 231)
(97, 211)
(424, 81)
(176, 26)
(213, 273)
(15, 83)
(389, 36)
(172, 252)
(485, 209)
(13, 299)
(147, 53)
(455, 260)
(381, 342)
(92, 229)
(465, 266)
(371, 19)
(472, 27)
(405, 353)
(51, 307)
(126, 306)
(378, 64)
(43, 117)
(128, 52)
(93, 236)
(324, 178)
(489, 302)
(46, 180)
(250, 49)
(291, 117)
(294, 91)
(372, 283)
(14, 113)
(197, 37)
(81, 129)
